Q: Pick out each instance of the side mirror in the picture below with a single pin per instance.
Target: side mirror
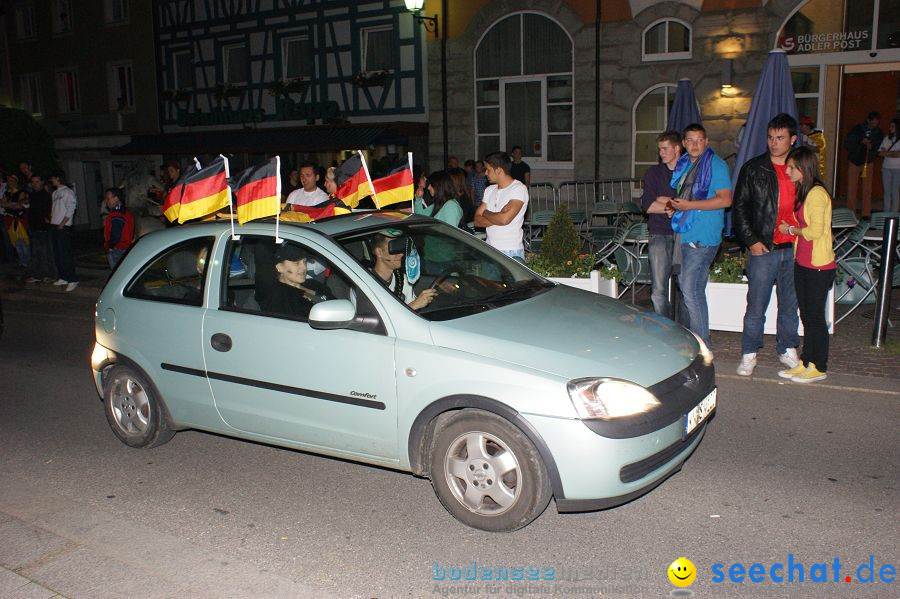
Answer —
(339, 314)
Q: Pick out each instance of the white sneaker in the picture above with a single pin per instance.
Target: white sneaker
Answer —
(790, 358)
(59, 282)
(748, 363)
(72, 286)
(32, 280)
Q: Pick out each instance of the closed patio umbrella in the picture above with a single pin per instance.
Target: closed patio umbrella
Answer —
(774, 94)
(684, 108)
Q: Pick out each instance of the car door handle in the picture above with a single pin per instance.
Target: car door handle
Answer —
(220, 342)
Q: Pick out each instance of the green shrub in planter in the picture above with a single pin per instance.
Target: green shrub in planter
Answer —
(561, 254)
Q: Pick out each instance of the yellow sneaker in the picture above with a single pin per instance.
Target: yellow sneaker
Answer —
(810, 375)
(792, 372)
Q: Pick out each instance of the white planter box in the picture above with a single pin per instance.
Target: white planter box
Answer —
(595, 284)
(728, 301)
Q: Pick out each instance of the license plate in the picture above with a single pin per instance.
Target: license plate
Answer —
(696, 416)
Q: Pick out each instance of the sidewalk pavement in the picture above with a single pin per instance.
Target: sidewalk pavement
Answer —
(850, 351)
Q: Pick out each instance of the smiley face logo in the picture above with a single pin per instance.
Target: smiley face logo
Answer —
(682, 572)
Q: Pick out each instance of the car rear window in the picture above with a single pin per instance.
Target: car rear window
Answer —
(177, 275)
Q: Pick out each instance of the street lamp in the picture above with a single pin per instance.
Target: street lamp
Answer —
(415, 7)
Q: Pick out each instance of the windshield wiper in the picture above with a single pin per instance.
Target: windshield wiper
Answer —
(527, 289)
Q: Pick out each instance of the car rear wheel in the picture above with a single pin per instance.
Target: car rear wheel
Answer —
(133, 411)
(487, 473)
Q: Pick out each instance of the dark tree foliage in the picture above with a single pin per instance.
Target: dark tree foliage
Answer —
(24, 139)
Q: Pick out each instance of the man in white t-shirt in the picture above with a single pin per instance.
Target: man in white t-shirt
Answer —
(502, 210)
(309, 193)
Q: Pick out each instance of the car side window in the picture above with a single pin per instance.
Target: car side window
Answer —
(177, 275)
(283, 280)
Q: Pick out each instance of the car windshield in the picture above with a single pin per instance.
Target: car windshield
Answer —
(468, 275)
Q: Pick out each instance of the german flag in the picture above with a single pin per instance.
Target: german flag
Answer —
(172, 204)
(395, 187)
(352, 181)
(257, 191)
(308, 214)
(205, 191)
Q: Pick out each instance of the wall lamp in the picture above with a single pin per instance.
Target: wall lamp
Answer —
(415, 7)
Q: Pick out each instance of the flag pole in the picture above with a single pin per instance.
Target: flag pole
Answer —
(412, 175)
(278, 195)
(369, 178)
(234, 237)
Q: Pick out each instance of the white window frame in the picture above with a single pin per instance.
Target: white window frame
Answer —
(659, 56)
(284, 57)
(109, 9)
(113, 84)
(63, 105)
(225, 58)
(30, 94)
(26, 28)
(57, 7)
(533, 161)
(816, 94)
(363, 35)
(179, 85)
(670, 89)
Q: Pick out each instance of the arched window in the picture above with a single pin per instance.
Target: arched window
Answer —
(666, 39)
(651, 113)
(524, 90)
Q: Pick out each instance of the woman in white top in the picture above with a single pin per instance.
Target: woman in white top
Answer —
(890, 170)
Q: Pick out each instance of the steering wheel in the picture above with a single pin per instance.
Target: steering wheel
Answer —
(443, 276)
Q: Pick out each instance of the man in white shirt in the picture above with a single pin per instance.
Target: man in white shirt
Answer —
(62, 213)
(309, 193)
(502, 211)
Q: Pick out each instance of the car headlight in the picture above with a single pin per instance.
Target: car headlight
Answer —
(704, 351)
(609, 398)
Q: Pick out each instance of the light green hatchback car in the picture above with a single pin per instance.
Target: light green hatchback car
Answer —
(399, 341)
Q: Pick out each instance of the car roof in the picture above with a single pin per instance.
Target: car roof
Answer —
(335, 225)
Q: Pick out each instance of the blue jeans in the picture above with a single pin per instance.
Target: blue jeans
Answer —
(520, 254)
(772, 268)
(64, 253)
(42, 266)
(695, 261)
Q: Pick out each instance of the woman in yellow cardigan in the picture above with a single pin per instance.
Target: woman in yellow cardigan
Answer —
(814, 265)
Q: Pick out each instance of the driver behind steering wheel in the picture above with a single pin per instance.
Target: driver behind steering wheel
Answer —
(389, 270)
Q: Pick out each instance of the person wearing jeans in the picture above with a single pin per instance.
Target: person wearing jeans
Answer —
(657, 194)
(703, 188)
(764, 197)
(890, 169)
(62, 214)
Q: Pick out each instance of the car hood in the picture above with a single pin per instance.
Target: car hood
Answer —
(573, 333)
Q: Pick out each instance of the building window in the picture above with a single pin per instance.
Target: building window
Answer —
(25, 29)
(182, 70)
(61, 15)
(296, 58)
(830, 27)
(805, 81)
(378, 48)
(524, 89)
(31, 94)
(116, 11)
(236, 63)
(666, 39)
(121, 87)
(67, 90)
(651, 113)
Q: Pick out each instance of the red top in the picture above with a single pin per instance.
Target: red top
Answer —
(786, 193)
(803, 252)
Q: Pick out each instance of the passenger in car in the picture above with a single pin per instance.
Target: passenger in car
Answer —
(293, 294)
(388, 269)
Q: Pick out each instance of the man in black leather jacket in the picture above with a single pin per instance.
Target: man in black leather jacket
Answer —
(764, 197)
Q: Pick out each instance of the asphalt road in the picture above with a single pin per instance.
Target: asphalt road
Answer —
(808, 472)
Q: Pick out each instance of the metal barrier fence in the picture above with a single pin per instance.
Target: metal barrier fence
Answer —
(582, 195)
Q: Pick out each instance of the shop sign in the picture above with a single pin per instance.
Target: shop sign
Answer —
(285, 110)
(819, 43)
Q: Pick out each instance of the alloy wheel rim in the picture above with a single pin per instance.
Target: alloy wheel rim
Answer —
(130, 406)
(483, 473)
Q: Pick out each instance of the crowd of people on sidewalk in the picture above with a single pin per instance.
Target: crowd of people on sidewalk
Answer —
(781, 213)
(38, 214)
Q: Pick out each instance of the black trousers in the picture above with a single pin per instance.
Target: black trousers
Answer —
(812, 290)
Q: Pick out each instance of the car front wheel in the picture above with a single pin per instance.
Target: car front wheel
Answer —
(133, 411)
(487, 473)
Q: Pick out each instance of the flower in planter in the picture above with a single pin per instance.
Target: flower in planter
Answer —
(730, 269)
(561, 254)
(610, 271)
